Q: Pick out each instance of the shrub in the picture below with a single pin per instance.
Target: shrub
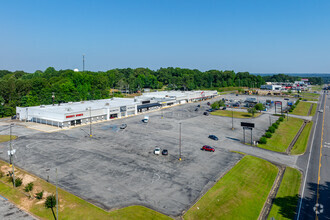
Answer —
(290, 110)
(275, 126)
(268, 135)
(281, 119)
(263, 140)
(28, 187)
(271, 129)
(18, 182)
(277, 122)
(39, 195)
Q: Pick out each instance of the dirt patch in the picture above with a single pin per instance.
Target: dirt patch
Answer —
(27, 179)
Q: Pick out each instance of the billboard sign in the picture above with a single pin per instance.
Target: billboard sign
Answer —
(247, 124)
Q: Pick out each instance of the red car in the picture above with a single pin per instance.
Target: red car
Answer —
(208, 148)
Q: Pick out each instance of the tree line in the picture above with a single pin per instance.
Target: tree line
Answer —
(31, 89)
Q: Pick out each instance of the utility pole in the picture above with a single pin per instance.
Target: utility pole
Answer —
(90, 122)
(180, 142)
(56, 197)
(83, 62)
(232, 120)
(11, 153)
(270, 121)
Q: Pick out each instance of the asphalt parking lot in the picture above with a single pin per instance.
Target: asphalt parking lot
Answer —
(117, 168)
(9, 211)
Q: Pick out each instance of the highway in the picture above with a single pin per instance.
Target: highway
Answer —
(315, 193)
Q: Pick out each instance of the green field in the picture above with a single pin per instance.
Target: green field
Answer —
(301, 144)
(285, 203)
(283, 136)
(5, 138)
(302, 108)
(236, 114)
(242, 192)
(71, 206)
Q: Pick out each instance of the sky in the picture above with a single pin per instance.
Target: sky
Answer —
(265, 36)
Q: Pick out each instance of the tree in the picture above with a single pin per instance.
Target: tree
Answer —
(252, 111)
(215, 105)
(259, 107)
(50, 203)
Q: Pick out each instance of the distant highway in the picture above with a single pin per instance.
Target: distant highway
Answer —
(315, 200)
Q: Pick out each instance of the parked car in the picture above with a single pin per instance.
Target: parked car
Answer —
(13, 117)
(206, 113)
(208, 103)
(224, 108)
(123, 126)
(213, 137)
(196, 109)
(198, 106)
(208, 148)
(157, 151)
(210, 110)
(165, 152)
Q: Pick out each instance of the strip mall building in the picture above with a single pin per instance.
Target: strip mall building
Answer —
(75, 113)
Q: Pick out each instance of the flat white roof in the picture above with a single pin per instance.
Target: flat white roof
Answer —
(82, 106)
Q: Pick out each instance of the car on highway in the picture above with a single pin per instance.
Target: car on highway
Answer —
(213, 137)
(123, 126)
(321, 110)
(165, 152)
(157, 151)
(208, 148)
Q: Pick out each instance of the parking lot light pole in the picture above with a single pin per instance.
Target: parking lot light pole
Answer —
(180, 142)
(90, 122)
(56, 197)
(232, 120)
(11, 155)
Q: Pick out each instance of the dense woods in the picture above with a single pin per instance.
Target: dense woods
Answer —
(29, 89)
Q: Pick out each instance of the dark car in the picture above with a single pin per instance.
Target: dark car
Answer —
(210, 110)
(198, 106)
(123, 126)
(206, 113)
(224, 108)
(13, 117)
(213, 137)
(196, 109)
(208, 148)
(165, 152)
(208, 103)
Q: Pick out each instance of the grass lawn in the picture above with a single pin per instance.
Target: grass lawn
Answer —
(301, 144)
(283, 136)
(241, 192)
(228, 113)
(308, 95)
(5, 138)
(316, 88)
(285, 203)
(313, 110)
(71, 207)
(302, 108)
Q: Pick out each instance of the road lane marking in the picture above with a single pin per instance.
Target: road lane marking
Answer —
(309, 158)
(320, 161)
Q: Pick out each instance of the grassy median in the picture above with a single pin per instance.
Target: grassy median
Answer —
(283, 136)
(71, 206)
(285, 203)
(236, 114)
(302, 108)
(241, 192)
(301, 144)
(5, 138)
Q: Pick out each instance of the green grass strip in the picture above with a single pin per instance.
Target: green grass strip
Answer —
(302, 108)
(283, 136)
(285, 203)
(313, 110)
(5, 138)
(301, 144)
(241, 193)
(236, 114)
